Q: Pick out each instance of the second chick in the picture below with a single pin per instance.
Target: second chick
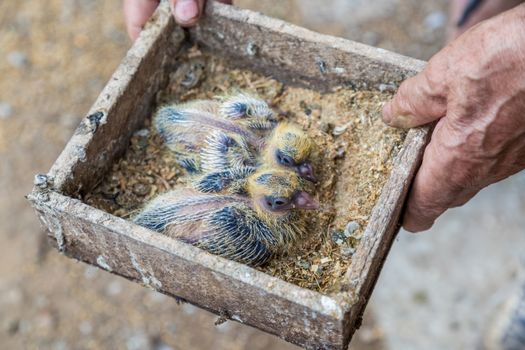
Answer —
(205, 142)
(247, 229)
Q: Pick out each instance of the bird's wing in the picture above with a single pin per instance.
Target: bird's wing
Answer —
(221, 224)
(185, 131)
(261, 124)
(178, 206)
(222, 152)
(232, 180)
(210, 121)
(181, 136)
(176, 125)
(238, 234)
(250, 111)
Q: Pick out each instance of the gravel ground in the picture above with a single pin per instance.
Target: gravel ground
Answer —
(441, 289)
(437, 289)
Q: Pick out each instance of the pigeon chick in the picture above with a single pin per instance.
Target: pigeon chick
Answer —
(252, 112)
(247, 229)
(290, 147)
(189, 129)
(287, 147)
(246, 110)
(205, 142)
(230, 181)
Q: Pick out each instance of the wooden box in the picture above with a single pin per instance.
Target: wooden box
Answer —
(235, 291)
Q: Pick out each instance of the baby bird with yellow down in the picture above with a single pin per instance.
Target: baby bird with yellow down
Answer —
(208, 137)
(188, 130)
(289, 147)
(229, 125)
(247, 229)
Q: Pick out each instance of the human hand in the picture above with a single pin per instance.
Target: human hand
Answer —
(137, 13)
(475, 87)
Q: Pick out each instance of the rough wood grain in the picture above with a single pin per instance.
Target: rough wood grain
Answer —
(293, 55)
(104, 133)
(296, 55)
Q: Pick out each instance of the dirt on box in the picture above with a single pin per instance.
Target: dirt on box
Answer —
(356, 152)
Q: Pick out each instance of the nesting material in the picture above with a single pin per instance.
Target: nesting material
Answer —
(355, 158)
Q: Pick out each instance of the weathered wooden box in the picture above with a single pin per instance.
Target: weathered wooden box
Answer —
(289, 53)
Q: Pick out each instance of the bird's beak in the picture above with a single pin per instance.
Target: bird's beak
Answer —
(306, 171)
(303, 200)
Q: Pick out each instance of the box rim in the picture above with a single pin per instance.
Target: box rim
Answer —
(324, 304)
(231, 12)
(62, 169)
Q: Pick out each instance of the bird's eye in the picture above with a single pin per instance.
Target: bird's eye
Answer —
(284, 159)
(277, 203)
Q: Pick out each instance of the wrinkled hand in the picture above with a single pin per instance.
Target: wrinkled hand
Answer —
(475, 87)
(137, 13)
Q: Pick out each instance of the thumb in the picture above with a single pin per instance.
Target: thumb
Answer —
(419, 100)
(187, 12)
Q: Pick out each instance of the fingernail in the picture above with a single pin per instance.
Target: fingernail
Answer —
(186, 10)
(402, 121)
(399, 121)
(387, 113)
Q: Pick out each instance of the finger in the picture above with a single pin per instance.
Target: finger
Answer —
(187, 12)
(435, 189)
(136, 14)
(419, 100)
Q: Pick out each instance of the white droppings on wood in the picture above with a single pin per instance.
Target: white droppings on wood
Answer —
(306, 324)
(237, 318)
(330, 306)
(147, 278)
(59, 236)
(101, 261)
(80, 153)
(251, 49)
(53, 225)
(155, 282)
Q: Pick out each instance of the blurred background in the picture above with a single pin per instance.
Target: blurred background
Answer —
(438, 290)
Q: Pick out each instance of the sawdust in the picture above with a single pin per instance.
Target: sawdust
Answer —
(355, 157)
